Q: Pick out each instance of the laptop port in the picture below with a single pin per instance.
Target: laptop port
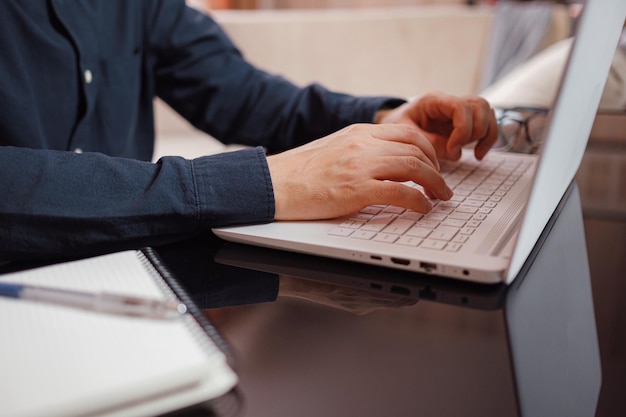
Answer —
(400, 261)
(428, 266)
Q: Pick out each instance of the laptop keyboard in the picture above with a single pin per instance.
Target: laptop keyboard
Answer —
(478, 188)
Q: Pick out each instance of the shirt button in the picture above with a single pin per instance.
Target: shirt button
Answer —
(88, 76)
(78, 150)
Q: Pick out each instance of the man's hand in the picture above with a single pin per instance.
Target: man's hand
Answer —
(349, 169)
(448, 122)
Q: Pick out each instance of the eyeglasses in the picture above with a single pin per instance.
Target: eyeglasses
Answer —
(520, 129)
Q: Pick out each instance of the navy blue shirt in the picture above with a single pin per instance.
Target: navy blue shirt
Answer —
(77, 83)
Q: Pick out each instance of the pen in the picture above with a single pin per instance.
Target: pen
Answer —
(121, 304)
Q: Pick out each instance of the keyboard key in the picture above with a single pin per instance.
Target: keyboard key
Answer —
(411, 215)
(352, 224)
(433, 244)
(416, 231)
(363, 234)
(378, 223)
(399, 226)
(460, 238)
(340, 231)
(444, 233)
(438, 217)
(478, 197)
(370, 210)
(453, 247)
(361, 216)
(466, 209)
(460, 216)
(472, 203)
(394, 209)
(446, 206)
(385, 237)
(409, 241)
(431, 224)
(453, 223)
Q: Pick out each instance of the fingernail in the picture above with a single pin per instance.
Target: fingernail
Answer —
(447, 194)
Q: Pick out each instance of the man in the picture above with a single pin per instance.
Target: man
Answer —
(76, 133)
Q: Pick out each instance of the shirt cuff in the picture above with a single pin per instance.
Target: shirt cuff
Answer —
(233, 188)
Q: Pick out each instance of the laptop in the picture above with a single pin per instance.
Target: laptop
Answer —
(253, 262)
(493, 237)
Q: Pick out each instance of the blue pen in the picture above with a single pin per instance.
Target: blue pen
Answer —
(127, 305)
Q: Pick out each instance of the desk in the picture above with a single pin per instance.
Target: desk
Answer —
(423, 346)
(461, 350)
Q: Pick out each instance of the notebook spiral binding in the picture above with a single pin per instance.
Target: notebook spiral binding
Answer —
(170, 285)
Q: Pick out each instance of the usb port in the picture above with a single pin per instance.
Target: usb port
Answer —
(428, 266)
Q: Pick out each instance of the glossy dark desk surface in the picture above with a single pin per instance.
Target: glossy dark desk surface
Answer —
(323, 349)
(311, 348)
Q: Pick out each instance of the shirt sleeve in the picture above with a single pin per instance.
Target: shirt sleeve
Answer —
(61, 204)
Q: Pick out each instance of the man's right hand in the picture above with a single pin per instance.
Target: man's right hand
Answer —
(355, 167)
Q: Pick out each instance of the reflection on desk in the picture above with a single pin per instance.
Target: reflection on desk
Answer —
(427, 345)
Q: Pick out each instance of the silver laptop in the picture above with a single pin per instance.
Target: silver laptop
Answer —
(486, 232)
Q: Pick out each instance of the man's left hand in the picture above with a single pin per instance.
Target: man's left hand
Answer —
(448, 122)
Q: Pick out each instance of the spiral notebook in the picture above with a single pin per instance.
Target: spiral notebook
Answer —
(63, 361)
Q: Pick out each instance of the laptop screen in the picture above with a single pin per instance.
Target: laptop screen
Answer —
(572, 117)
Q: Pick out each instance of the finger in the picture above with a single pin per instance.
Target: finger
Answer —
(400, 169)
(486, 143)
(462, 127)
(482, 116)
(405, 134)
(397, 194)
(459, 114)
(482, 128)
(407, 150)
(430, 194)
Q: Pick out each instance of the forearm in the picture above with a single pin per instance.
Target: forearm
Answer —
(59, 204)
(254, 108)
